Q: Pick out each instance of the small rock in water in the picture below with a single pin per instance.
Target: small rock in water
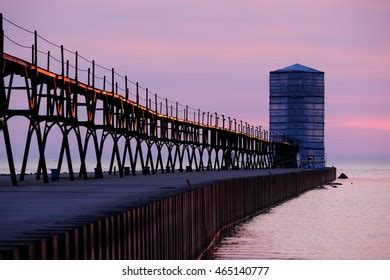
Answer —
(334, 186)
(343, 176)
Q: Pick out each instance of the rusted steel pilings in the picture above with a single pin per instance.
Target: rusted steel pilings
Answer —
(176, 227)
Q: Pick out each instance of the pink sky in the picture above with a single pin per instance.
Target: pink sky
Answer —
(217, 54)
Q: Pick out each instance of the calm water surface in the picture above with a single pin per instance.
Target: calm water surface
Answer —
(351, 221)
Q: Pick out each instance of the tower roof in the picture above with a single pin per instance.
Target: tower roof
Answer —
(297, 68)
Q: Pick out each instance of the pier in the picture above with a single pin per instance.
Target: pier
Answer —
(177, 175)
(91, 108)
(170, 216)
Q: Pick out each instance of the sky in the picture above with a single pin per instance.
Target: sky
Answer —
(217, 55)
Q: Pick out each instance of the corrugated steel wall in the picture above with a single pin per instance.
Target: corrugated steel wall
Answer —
(177, 227)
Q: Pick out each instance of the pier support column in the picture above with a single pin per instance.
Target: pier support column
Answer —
(3, 108)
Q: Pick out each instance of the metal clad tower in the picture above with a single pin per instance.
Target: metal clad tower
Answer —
(297, 110)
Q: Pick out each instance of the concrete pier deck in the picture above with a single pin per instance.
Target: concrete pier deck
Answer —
(35, 206)
(36, 210)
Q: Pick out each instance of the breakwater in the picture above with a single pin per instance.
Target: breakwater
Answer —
(175, 224)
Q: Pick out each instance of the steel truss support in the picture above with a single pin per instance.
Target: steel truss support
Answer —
(4, 103)
(143, 140)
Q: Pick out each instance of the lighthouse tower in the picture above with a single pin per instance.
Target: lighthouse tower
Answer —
(297, 110)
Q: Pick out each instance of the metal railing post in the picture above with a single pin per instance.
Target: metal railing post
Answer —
(137, 94)
(166, 106)
(155, 103)
(62, 61)
(1, 41)
(147, 98)
(126, 89)
(36, 48)
(112, 80)
(76, 70)
(93, 74)
(48, 61)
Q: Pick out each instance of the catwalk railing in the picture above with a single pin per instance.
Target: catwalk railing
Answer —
(149, 133)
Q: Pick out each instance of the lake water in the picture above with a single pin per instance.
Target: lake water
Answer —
(351, 221)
